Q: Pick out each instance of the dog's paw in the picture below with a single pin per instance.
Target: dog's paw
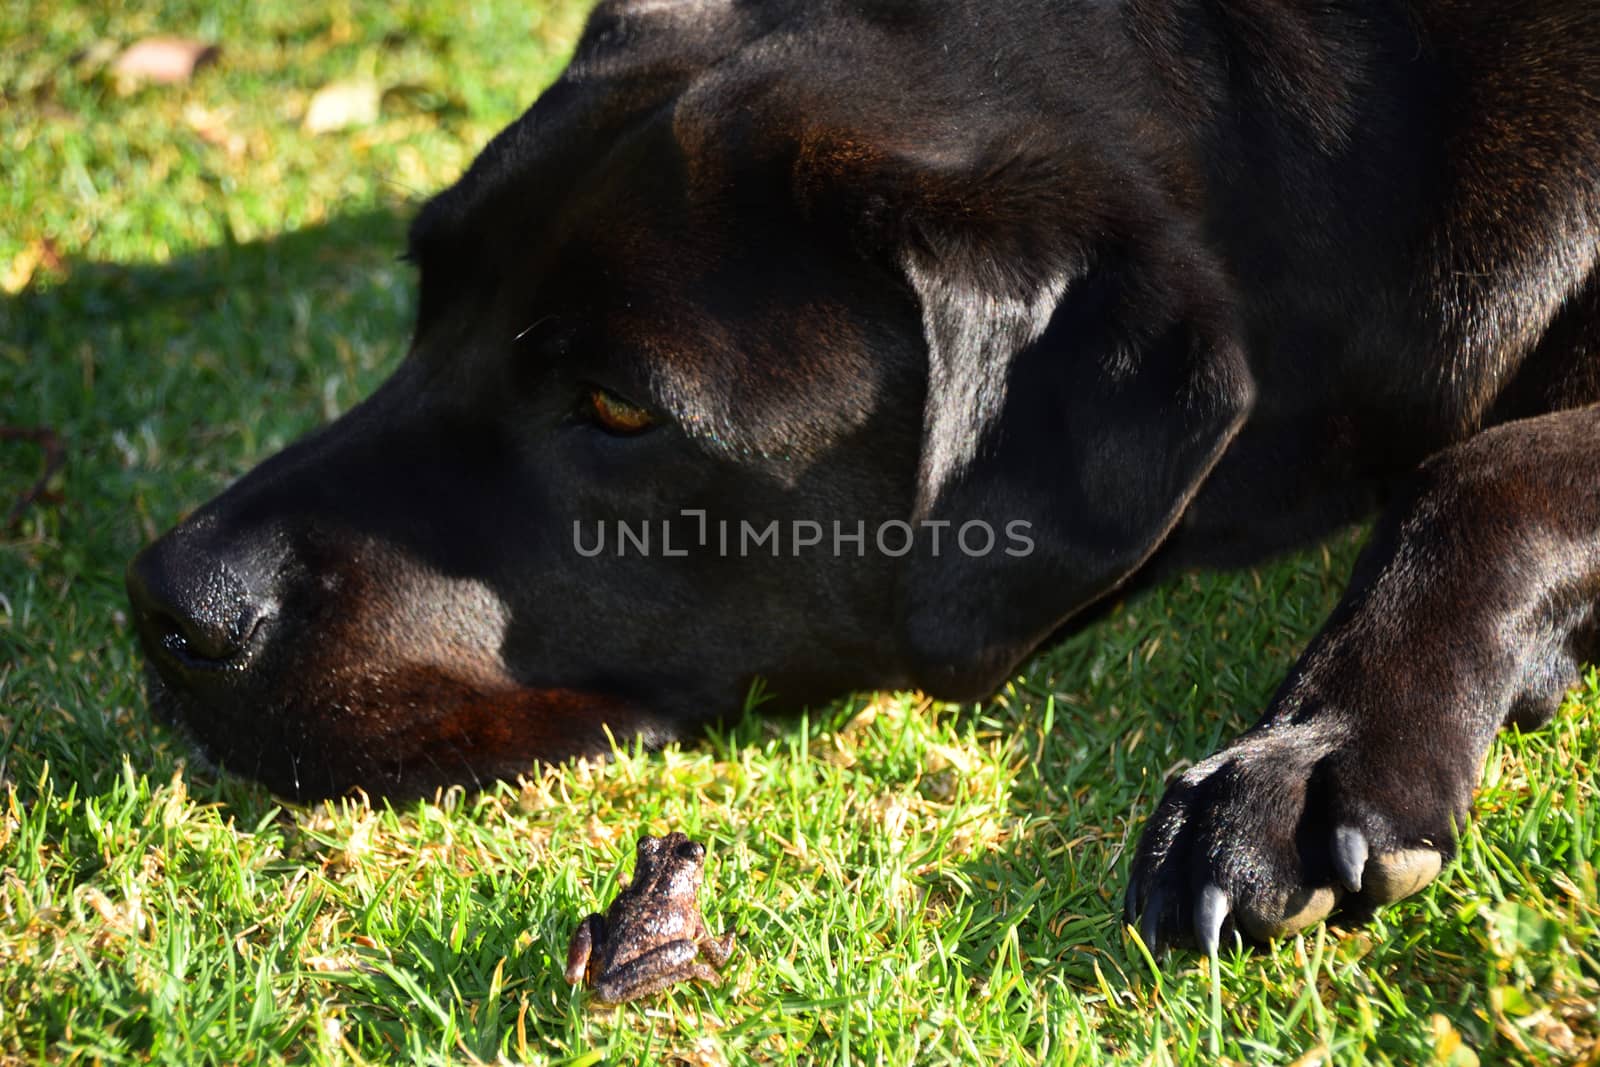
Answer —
(1273, 833)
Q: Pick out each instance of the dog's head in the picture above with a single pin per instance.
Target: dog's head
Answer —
(763, 346)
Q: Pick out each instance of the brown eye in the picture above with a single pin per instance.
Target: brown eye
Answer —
(616, 414)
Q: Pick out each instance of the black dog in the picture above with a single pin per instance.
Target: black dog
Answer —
(1094, 289)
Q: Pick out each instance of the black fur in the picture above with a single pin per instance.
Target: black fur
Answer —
(1175, 283)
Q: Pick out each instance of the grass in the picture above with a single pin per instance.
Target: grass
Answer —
(192, 280)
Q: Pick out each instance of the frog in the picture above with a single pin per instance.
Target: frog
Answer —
(653, 935)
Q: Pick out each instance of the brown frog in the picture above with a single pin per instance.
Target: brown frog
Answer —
(653, 934)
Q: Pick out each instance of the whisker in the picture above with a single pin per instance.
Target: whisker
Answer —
(529, 329)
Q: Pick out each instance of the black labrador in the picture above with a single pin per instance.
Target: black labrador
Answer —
(868, 343)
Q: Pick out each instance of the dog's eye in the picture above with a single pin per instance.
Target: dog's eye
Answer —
(616, 415)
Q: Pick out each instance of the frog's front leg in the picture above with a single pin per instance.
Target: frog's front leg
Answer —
(590, 932)
(676, 961)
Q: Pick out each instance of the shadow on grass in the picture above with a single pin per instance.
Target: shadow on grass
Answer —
(121, 360)
(161, 382)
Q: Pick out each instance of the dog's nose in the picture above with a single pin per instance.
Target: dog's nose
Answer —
(196, 609)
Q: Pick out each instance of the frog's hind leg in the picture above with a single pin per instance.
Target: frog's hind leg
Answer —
(676, 961)
(718, 949)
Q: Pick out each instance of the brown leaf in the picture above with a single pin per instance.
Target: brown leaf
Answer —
(40, 253)
(163, 60)
(212, 128)
(340, 105)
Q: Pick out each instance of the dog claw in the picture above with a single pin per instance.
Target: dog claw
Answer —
(1349, 856)
(1150, 929)
(1210, 911)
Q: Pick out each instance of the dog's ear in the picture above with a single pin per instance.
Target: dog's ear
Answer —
(1084, 377)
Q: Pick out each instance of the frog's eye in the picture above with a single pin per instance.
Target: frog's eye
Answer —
(614, 414)
(692, 851)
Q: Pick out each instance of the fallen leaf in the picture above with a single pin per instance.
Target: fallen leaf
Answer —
(1448, 1047)
(40, 252)
(341, 105)
(212, 127)
(163, 60)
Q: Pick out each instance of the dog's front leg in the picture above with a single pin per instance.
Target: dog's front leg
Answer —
(1474, 606)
